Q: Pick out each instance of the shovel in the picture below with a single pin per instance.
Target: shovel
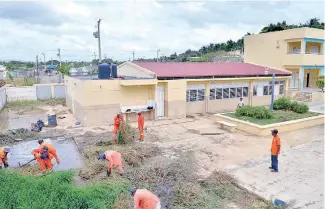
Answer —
(26, 163)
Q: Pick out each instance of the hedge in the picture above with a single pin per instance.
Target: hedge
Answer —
(259, 112)
(287, 104)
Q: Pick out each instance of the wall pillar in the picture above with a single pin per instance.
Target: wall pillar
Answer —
(301, 78)
(207, 96)
(250, 93)
(303, 46)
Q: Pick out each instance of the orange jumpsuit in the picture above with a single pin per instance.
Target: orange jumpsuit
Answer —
(143, 199)
(44, 164)
(114, 160)
(141, 126)
(117, 122)
(3, 157)
(52, 150)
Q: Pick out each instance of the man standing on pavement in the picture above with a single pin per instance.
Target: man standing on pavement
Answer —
(275, 150)
(141, 126)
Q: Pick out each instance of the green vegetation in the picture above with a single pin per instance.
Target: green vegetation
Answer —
(64, 69)
(56, 191)
(277, 117)
(18, 104)
(287, 104)
(259, 112)
(320, 82)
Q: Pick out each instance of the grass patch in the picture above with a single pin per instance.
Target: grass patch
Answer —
(278, 116)
(56, 191)
(19, 104)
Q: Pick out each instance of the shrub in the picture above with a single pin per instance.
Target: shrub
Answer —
(282, 104)
(255, 112)
(299, 107)
(320, 82)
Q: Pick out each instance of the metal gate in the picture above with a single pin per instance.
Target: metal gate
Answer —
(160, 109)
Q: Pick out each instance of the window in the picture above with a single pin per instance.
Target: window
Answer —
(232, 92)
(218, 93)
(255, 91)
(265, 90)
(225, 93)
(270, 90)
(212, 94)
(281, 89)
(239, 92)
(193, 95)
(187, 96)
(245, 92)
(200, 94)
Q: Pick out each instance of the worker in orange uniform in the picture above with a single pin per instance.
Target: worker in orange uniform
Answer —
(3, 157)
(51, 149)
(44, 158)
(275, 150)
(144, 199)
(114, 160)
(117, 122)
(141, 126)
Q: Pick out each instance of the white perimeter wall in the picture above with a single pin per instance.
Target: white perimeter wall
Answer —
(21, 93)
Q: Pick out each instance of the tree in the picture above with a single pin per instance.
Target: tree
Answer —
(64, 69)
(320, 82)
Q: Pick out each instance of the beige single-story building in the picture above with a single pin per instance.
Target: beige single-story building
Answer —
(172, 90)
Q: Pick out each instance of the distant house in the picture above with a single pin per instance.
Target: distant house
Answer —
(3, 72)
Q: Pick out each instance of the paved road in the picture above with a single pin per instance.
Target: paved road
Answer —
(316, 106)
(300, 179)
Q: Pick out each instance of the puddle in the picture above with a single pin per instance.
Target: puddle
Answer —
(66, 150)
(10, 119)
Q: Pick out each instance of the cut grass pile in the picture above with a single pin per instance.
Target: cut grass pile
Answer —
(56, 191)
(277, 117)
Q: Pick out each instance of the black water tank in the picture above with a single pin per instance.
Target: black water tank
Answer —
(104, 71)
(114, 70)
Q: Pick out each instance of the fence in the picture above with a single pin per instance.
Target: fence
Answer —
(35, 92)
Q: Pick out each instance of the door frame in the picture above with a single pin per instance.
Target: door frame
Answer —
(307, 79)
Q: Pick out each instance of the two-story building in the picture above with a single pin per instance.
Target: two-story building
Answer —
(299, 50)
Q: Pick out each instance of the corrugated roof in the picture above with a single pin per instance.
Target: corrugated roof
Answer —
(204, 69)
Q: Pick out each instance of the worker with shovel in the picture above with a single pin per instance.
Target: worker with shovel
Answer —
(117, 122)
(51, 149)
(44, 158)
(144, 199)
(3, 156)
(114, 160)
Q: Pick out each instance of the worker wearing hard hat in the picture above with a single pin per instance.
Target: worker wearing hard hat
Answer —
(144, 199)
(141, 126)
(51, 149)
(44, 158)
(3, 156)
(114, 160)
(117, 122)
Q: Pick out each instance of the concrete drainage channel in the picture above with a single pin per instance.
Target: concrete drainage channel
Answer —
(67, 151)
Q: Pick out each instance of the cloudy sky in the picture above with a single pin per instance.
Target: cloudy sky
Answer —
(28, 28)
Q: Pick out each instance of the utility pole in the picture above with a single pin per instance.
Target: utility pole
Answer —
(59, 55)
(158, 54)
(37, 64)
(44, 61)
(99, 49)
(133, 55)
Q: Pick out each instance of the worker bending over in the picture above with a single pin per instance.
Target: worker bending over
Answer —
(44, 158)
(51, 149)
(141, 126)
(114, 160)
(117, 122)
(143, 199)
(3, 156)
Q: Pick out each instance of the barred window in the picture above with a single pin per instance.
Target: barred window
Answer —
(225, 93)
(255, 91)
(193, 95)
(232, 92)
(265, 90)
(212, 94)
(218, 93)
(200, 94)
(187, 96)
(245, 92)
(281, 89)
(239, 92)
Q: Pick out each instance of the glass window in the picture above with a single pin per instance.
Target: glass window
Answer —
(276, 82)
(212, 94)
(239, 92)
(200, 94)
(255, 91)
(270, 90)
(187, 96)
(193, 95)
(281, 89)
(265, 90)
(281, 82)
(218, 93)
(245, 91)
(225, 93)
(232, 92)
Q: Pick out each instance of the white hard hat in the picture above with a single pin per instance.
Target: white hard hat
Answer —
(6, 149)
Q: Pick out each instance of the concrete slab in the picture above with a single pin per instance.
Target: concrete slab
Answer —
(300, 179)
(316, 106)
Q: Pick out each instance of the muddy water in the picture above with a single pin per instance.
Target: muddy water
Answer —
(10, 119)
(66, 150)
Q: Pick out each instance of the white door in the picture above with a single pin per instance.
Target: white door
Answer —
(160, 109)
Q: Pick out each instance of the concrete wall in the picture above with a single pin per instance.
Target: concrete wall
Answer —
(3, 97)
(175, 98)
(21, 93)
